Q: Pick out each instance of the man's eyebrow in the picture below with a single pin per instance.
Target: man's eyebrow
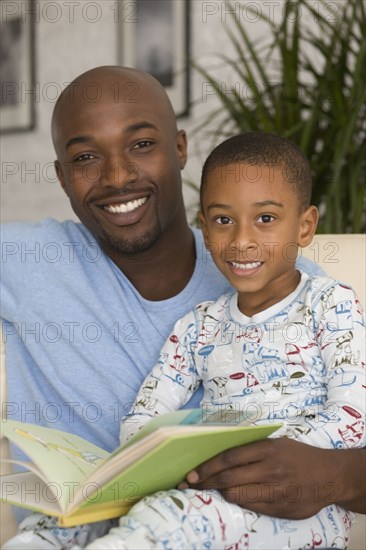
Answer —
(77, 139)
(132, 128)
(140, 126)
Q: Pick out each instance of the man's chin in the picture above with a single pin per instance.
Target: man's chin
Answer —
(134, 245)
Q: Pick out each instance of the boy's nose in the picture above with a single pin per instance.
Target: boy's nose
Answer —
(243, 243)
(245, 250)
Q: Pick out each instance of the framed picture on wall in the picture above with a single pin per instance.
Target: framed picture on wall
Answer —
(17, 92)
(154, 37)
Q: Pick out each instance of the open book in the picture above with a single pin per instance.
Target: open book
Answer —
(78, 482)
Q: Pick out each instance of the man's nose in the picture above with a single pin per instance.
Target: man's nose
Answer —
(118, 172)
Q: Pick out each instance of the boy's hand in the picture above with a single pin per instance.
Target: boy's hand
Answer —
(284, 478)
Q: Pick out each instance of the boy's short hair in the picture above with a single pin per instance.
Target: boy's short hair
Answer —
(263, 149)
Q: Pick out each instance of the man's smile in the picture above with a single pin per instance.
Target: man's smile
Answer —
(122, 210)
(124, 207)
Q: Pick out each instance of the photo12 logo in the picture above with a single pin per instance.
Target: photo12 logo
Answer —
(69, 11)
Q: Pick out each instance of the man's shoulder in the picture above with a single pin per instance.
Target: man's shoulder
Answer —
(44, 230)
(309, 267)
(47, 227)
(48, 241)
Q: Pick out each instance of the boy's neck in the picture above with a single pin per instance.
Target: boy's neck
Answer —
(251, 303)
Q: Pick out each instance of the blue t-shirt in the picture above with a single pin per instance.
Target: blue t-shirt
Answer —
(79, 338)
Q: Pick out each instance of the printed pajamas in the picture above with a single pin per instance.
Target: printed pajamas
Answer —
(302, 361)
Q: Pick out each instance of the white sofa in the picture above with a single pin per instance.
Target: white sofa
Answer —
(342, 257)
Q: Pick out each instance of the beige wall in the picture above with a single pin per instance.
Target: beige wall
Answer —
(68, 42)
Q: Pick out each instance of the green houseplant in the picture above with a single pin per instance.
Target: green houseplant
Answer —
(305, 80)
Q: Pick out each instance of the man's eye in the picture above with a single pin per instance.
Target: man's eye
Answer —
(223, 220)
(266, 218)
(85, 156)
(143, 143)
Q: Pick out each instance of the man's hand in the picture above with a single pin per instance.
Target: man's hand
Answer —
(285, 478)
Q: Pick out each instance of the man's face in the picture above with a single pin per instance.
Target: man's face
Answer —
(119, 162)
(252, 226)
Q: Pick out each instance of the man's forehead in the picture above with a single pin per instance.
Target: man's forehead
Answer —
(130, 94)
(119, 90)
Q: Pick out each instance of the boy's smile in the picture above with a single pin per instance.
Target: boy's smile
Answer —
(252, 226)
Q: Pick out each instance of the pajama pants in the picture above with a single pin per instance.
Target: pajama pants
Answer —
(185, 520)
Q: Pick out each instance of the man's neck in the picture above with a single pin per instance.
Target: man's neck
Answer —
(165, 269)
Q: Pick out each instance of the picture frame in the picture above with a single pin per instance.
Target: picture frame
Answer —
(154, 37)
(17, 66)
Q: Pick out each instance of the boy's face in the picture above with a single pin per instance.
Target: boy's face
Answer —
(252, 224)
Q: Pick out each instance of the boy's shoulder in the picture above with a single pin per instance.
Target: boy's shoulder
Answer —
(325, 288)
(319, 282)
(213, 310)
(209, 311)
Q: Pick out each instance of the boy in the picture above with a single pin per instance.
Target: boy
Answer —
(283, 347)
(289, 344)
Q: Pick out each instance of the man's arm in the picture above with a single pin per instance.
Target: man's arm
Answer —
(286, 478)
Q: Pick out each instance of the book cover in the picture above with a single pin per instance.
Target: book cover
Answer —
(68, 477)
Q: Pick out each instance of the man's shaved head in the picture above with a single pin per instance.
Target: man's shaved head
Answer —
(119, 84)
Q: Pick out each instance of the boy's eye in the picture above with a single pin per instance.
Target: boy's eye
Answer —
(266, 218)
(223, 220)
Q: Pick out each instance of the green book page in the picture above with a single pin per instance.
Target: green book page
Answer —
(165, 466)
(175, 418)
(59, 455)
(186, 417)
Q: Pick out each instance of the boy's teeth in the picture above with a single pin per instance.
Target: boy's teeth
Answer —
(124, 207)
(251, 265)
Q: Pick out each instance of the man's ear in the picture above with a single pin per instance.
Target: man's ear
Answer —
(181, 144)
(308, 223)
(202, 220)
(60, 175)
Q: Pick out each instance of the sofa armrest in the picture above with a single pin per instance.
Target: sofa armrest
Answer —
(341, 257)
(8, 523)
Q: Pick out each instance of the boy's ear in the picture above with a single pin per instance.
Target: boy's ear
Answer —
(308, 223)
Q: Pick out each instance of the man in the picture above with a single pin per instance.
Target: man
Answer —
(87, 307)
